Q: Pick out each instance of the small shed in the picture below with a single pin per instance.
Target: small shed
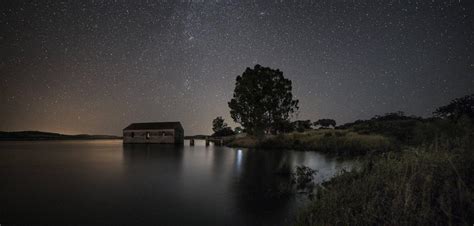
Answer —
(154, 132)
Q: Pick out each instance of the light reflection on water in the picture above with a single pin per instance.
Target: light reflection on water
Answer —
(107, 182)
(239, 159)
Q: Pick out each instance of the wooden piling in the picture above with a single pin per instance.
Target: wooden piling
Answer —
(191, 142)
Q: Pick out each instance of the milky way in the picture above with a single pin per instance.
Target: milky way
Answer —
(96, 66)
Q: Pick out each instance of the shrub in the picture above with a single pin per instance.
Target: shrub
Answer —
(227, 131)
(428, 184)
(346, 143)
(418, 186)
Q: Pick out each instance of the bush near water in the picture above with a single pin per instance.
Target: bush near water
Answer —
(428, 182)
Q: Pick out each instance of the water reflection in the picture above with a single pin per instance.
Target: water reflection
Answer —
(107, 182)
(260, 191)
(153, 164)
(238, 160)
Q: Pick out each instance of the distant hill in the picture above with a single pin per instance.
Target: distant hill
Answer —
(38, 135)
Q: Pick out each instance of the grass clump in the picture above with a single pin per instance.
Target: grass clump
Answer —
(330, 141)
(415, 187)
(429, 183)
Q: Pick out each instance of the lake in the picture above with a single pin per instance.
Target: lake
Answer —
(105, 181)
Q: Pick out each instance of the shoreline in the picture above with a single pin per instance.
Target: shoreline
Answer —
(39, 135)
(59, 139)
(330, 141)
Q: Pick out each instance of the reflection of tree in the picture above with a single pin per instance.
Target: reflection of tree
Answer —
(262, 188)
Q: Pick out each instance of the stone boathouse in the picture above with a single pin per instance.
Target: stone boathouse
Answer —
(154, 132)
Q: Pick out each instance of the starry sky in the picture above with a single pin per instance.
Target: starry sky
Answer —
(96, 66)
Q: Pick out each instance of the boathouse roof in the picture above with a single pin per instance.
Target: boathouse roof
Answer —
(154, 126)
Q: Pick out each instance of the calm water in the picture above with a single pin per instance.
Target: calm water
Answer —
(106, 182)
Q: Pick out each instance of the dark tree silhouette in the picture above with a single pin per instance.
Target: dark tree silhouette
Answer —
(218, 124)
(399, 115)
(220, 128)
(457, 108)
(262, 100)
(325, 123)
(227, 131)
(285, 126)
(302, 125)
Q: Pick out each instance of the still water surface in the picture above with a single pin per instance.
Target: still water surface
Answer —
(107, 182)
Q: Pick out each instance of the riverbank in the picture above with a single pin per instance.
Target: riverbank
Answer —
(419, 186)
(413, 171)
(428, 182)
(335, 141)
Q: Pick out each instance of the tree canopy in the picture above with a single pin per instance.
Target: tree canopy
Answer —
(399, 115)
(302, 125)
(262, 100)
(220, 128)
(218, 124)
(325, 123)
(457, 108)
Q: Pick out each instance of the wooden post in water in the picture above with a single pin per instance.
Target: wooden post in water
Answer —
(207, 142)
(191, 142)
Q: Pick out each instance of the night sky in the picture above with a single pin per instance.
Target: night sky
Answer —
(96, 66)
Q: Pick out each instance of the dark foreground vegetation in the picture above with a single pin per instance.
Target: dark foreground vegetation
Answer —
(340, 142)
(415, 171)
(37, 135)
(426, 181)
